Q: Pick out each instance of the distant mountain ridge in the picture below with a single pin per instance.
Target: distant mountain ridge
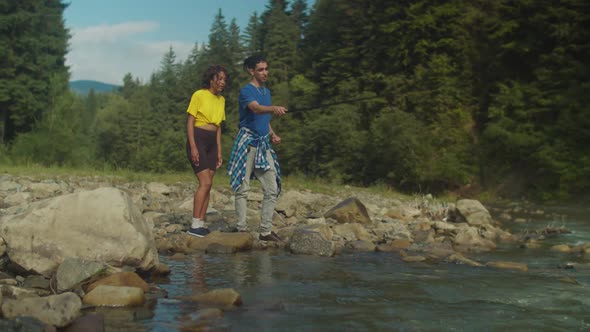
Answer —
(84, 86)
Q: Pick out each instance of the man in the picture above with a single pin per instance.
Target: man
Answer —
(252, 154)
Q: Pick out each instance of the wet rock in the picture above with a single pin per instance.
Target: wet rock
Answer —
(115, 296)
(239, 241)
(413, 258)
(458, 258)
(24, 324)
(93, 322)
(532, 244)
(509, 266)
(58, 310)
(310, 242)
(569, 280)
(128, 279)
(73, 271)
(582, 248)
(561, 248)
(395, 245)
(160, 269)
(216, 248)
(223, 297)
(469, 239)
(361, 246)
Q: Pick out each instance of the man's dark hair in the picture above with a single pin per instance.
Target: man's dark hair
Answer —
(211, 72)
(253, 60)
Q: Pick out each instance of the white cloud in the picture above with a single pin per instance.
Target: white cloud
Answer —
(107, 52)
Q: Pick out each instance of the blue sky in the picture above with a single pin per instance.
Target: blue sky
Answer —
(113, 37)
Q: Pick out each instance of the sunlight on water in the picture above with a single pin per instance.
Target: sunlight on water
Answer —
(377, 291)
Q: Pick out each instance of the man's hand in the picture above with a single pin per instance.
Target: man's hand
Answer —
(275, 138)
(279, 110)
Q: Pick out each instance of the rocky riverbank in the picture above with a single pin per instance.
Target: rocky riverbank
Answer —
(67, 246)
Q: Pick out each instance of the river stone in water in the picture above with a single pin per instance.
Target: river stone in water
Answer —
(115, 296)
(309, 242)
(58, 310)
(24, 324)
(74, 271)
(220, 297)
(128, 279)
(98, 225)
(509, 266)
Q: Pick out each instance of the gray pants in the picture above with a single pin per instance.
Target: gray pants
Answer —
(268, 180)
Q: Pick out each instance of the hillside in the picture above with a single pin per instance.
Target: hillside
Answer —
(84, 86)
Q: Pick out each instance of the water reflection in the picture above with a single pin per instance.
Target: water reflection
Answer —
(379, 292)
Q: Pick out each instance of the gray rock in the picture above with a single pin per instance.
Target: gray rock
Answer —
(58, 310)
(473, 212)
(98, 225)
(73, 271)
(308, 242)
(351, 210)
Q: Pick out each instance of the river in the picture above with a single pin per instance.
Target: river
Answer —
(379, 292)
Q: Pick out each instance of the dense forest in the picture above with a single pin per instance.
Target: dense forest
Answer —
(419, 96)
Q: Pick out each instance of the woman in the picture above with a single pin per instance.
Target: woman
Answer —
(206, 111)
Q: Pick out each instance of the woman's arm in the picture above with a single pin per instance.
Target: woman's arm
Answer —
(219, 154)
(190, 134)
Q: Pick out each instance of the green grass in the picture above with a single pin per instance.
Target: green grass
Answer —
(296, 182)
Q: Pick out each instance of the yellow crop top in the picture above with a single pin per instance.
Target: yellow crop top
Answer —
(207, 108)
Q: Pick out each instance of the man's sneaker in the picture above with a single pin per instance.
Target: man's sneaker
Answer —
(235, 229)
(270, 237)
(200, 231)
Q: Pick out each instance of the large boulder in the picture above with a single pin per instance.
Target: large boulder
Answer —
(293, 203)
(351, 210)
(473, 212)
(99, 225)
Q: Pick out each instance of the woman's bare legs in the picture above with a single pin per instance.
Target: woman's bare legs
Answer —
(201, 198)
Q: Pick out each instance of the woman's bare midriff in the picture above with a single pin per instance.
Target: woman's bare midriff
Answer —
(208, 127)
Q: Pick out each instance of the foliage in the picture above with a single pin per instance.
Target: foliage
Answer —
(33, 45)
(421, 96)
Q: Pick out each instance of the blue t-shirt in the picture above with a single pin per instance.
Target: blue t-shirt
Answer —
(258, 123)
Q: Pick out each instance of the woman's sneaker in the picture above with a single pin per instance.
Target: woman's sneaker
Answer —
(200, 231)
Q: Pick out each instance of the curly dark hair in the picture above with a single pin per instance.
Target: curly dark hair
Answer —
(253, 60)
(210, 73)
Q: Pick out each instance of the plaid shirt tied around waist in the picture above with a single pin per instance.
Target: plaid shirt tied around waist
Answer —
(236, 168)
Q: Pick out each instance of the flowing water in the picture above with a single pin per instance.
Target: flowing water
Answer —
(379, 292)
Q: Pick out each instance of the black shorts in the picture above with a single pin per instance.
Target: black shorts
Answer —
(206, 142)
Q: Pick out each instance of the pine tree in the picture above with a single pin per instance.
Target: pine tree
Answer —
(252, 37)
(33, 44)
